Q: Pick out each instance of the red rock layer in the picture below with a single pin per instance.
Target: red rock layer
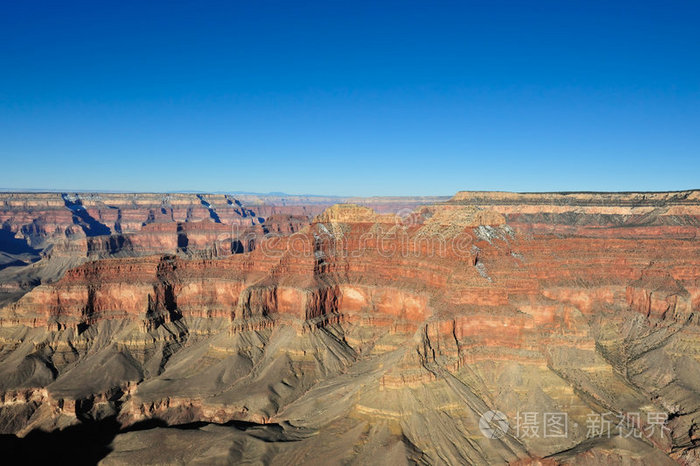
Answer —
(574, 309)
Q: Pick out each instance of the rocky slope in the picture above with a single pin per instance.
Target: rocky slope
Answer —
(365, 337)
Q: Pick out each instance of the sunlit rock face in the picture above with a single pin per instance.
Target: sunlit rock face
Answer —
(349, 333)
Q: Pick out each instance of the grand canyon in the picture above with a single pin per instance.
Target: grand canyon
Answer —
(482, 328)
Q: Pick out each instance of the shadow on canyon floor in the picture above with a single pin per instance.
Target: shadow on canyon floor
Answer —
(12, 245)
(85, 443)
(15, 252)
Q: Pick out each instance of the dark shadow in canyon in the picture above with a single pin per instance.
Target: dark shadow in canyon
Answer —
(15, 252)
(237, 247)
(84, 443)
(182, 239)
(212, 213)
(12, 245)
(81, 217)
(90, 441)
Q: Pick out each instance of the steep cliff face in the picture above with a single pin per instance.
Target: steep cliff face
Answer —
(135, 223)
(383, 337)
(38, 219)
(44, 234)
(593, 214)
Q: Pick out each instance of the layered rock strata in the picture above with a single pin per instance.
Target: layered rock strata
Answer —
(376, 338)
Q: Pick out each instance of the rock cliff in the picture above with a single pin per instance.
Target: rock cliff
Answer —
(351, 335)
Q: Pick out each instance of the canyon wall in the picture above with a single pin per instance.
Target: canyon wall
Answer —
(351, 334)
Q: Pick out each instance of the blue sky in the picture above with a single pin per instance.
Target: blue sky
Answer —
(350, 98)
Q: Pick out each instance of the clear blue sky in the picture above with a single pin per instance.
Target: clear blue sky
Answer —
(366, 98)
